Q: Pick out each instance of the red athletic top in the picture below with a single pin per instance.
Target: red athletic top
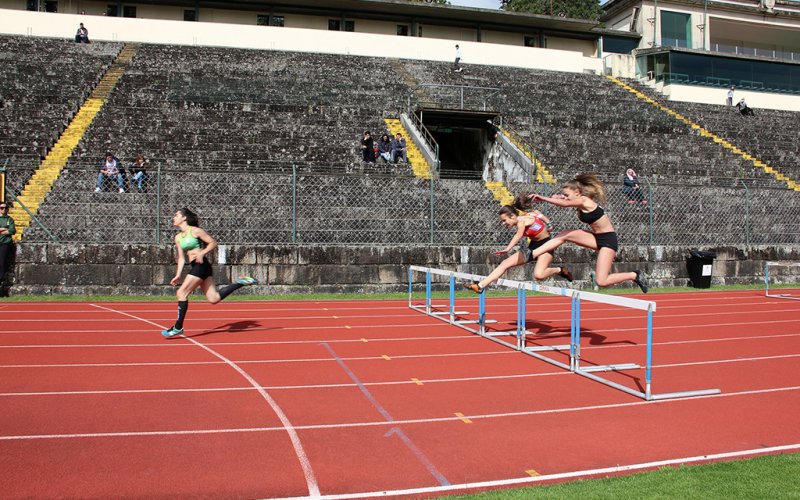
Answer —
(534, 229)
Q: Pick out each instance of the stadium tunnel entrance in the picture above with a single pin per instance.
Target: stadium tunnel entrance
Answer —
(465, 139)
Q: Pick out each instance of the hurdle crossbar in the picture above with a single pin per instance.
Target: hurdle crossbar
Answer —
(455, 318)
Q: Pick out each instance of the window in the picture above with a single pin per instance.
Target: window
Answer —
(676, 29)
(402, 30)
(189, 15)
(129, 11)
(336, 25)
(531, 41)
(51, 6)
(111, 10)
(619, 45)
(269, 20)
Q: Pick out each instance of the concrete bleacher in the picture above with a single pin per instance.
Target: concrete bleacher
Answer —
(264, 145)
(43, 84)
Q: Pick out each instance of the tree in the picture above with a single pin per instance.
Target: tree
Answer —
(576, 9)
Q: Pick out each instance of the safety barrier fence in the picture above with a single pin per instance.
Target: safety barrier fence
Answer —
(478, 325)
(386, 204)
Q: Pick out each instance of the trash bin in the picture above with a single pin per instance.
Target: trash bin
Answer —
(699, 265)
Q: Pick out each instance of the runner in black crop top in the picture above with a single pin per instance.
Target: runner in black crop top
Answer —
(583, 193)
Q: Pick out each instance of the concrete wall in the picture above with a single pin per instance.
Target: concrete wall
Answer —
(437, 45)
(146, 270)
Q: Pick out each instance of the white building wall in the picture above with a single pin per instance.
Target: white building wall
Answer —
(20, 22)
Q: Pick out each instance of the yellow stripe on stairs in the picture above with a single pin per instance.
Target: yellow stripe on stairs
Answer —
(419, 165)
(500, 192)
(791, 184)
(42, 180)
(543, 176)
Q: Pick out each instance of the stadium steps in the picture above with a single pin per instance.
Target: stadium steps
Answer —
(543, 175)
(790, 183)
(419, 165)
(41, 182)
(500, 192)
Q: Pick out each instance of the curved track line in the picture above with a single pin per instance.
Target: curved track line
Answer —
(311, 482)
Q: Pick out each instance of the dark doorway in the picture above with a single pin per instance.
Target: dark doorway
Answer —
(465, 139)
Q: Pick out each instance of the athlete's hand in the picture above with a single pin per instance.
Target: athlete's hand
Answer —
(535, 197)
(501, 252)
(174, 281)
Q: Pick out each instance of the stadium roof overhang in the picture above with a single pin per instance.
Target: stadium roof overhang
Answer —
(421, 12)
(784, 8)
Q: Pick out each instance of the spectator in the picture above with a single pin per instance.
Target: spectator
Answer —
(7, 230)
(139, 170)
(730, 95)
(456, 66)
(82, 36)
(399, 149)
(385, 148)
(111, 169)
(632, 188)
(368, 148)
(744, 109)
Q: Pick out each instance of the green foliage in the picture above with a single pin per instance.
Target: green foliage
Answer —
(576, 9)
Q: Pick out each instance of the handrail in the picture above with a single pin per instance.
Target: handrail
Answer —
(427, 138)
(461, 88)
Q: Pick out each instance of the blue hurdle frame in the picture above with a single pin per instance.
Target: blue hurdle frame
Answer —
(453, 317)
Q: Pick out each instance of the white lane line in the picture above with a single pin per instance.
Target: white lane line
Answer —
(311, 482)
(384, 423)
(436, 490)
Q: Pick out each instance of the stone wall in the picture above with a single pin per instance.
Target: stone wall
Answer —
(74, 269)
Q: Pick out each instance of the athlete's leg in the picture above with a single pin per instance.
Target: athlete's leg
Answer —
(214, 296)
(518, 259)
(577, 236)
(190, 283)
(542, 269)
(605, 258)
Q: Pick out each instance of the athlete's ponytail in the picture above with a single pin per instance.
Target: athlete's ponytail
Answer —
(588, 185)
(191, 217)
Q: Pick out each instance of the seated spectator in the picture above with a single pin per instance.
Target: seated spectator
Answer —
(139, 170)
(385, 148)
(744, 109)
(368, 148)
(399, 149)
(111, 169)
(632, 188)
(82, 36)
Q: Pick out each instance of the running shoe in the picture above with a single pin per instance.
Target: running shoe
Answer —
(473, 286)
(247, 280)
(172, 332)
(641, 280)
(564, 273)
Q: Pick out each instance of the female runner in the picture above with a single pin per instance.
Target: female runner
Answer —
(530, 225)
(584, 193)
(195, 243)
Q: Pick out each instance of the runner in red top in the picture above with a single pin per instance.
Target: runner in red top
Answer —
(531, 234)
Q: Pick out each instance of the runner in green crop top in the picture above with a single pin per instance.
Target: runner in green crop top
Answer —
(194, 244)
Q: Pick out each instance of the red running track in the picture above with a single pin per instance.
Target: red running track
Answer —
(359, 398)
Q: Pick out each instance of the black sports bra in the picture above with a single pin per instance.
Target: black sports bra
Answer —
(591, 217)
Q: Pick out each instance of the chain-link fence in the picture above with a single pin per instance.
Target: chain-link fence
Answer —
(385, 205)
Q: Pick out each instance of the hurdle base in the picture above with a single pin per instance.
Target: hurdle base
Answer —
(684, 394)
(610, 368)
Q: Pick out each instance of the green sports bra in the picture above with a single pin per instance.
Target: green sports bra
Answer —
(187, 241)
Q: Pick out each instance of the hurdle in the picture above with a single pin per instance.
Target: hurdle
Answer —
(448, 313)
(778, 263)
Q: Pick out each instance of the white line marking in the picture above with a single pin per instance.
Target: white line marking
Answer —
(567, 475)
(311, 482)
(384, 423)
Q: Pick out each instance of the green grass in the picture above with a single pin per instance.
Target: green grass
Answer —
(767, 477)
